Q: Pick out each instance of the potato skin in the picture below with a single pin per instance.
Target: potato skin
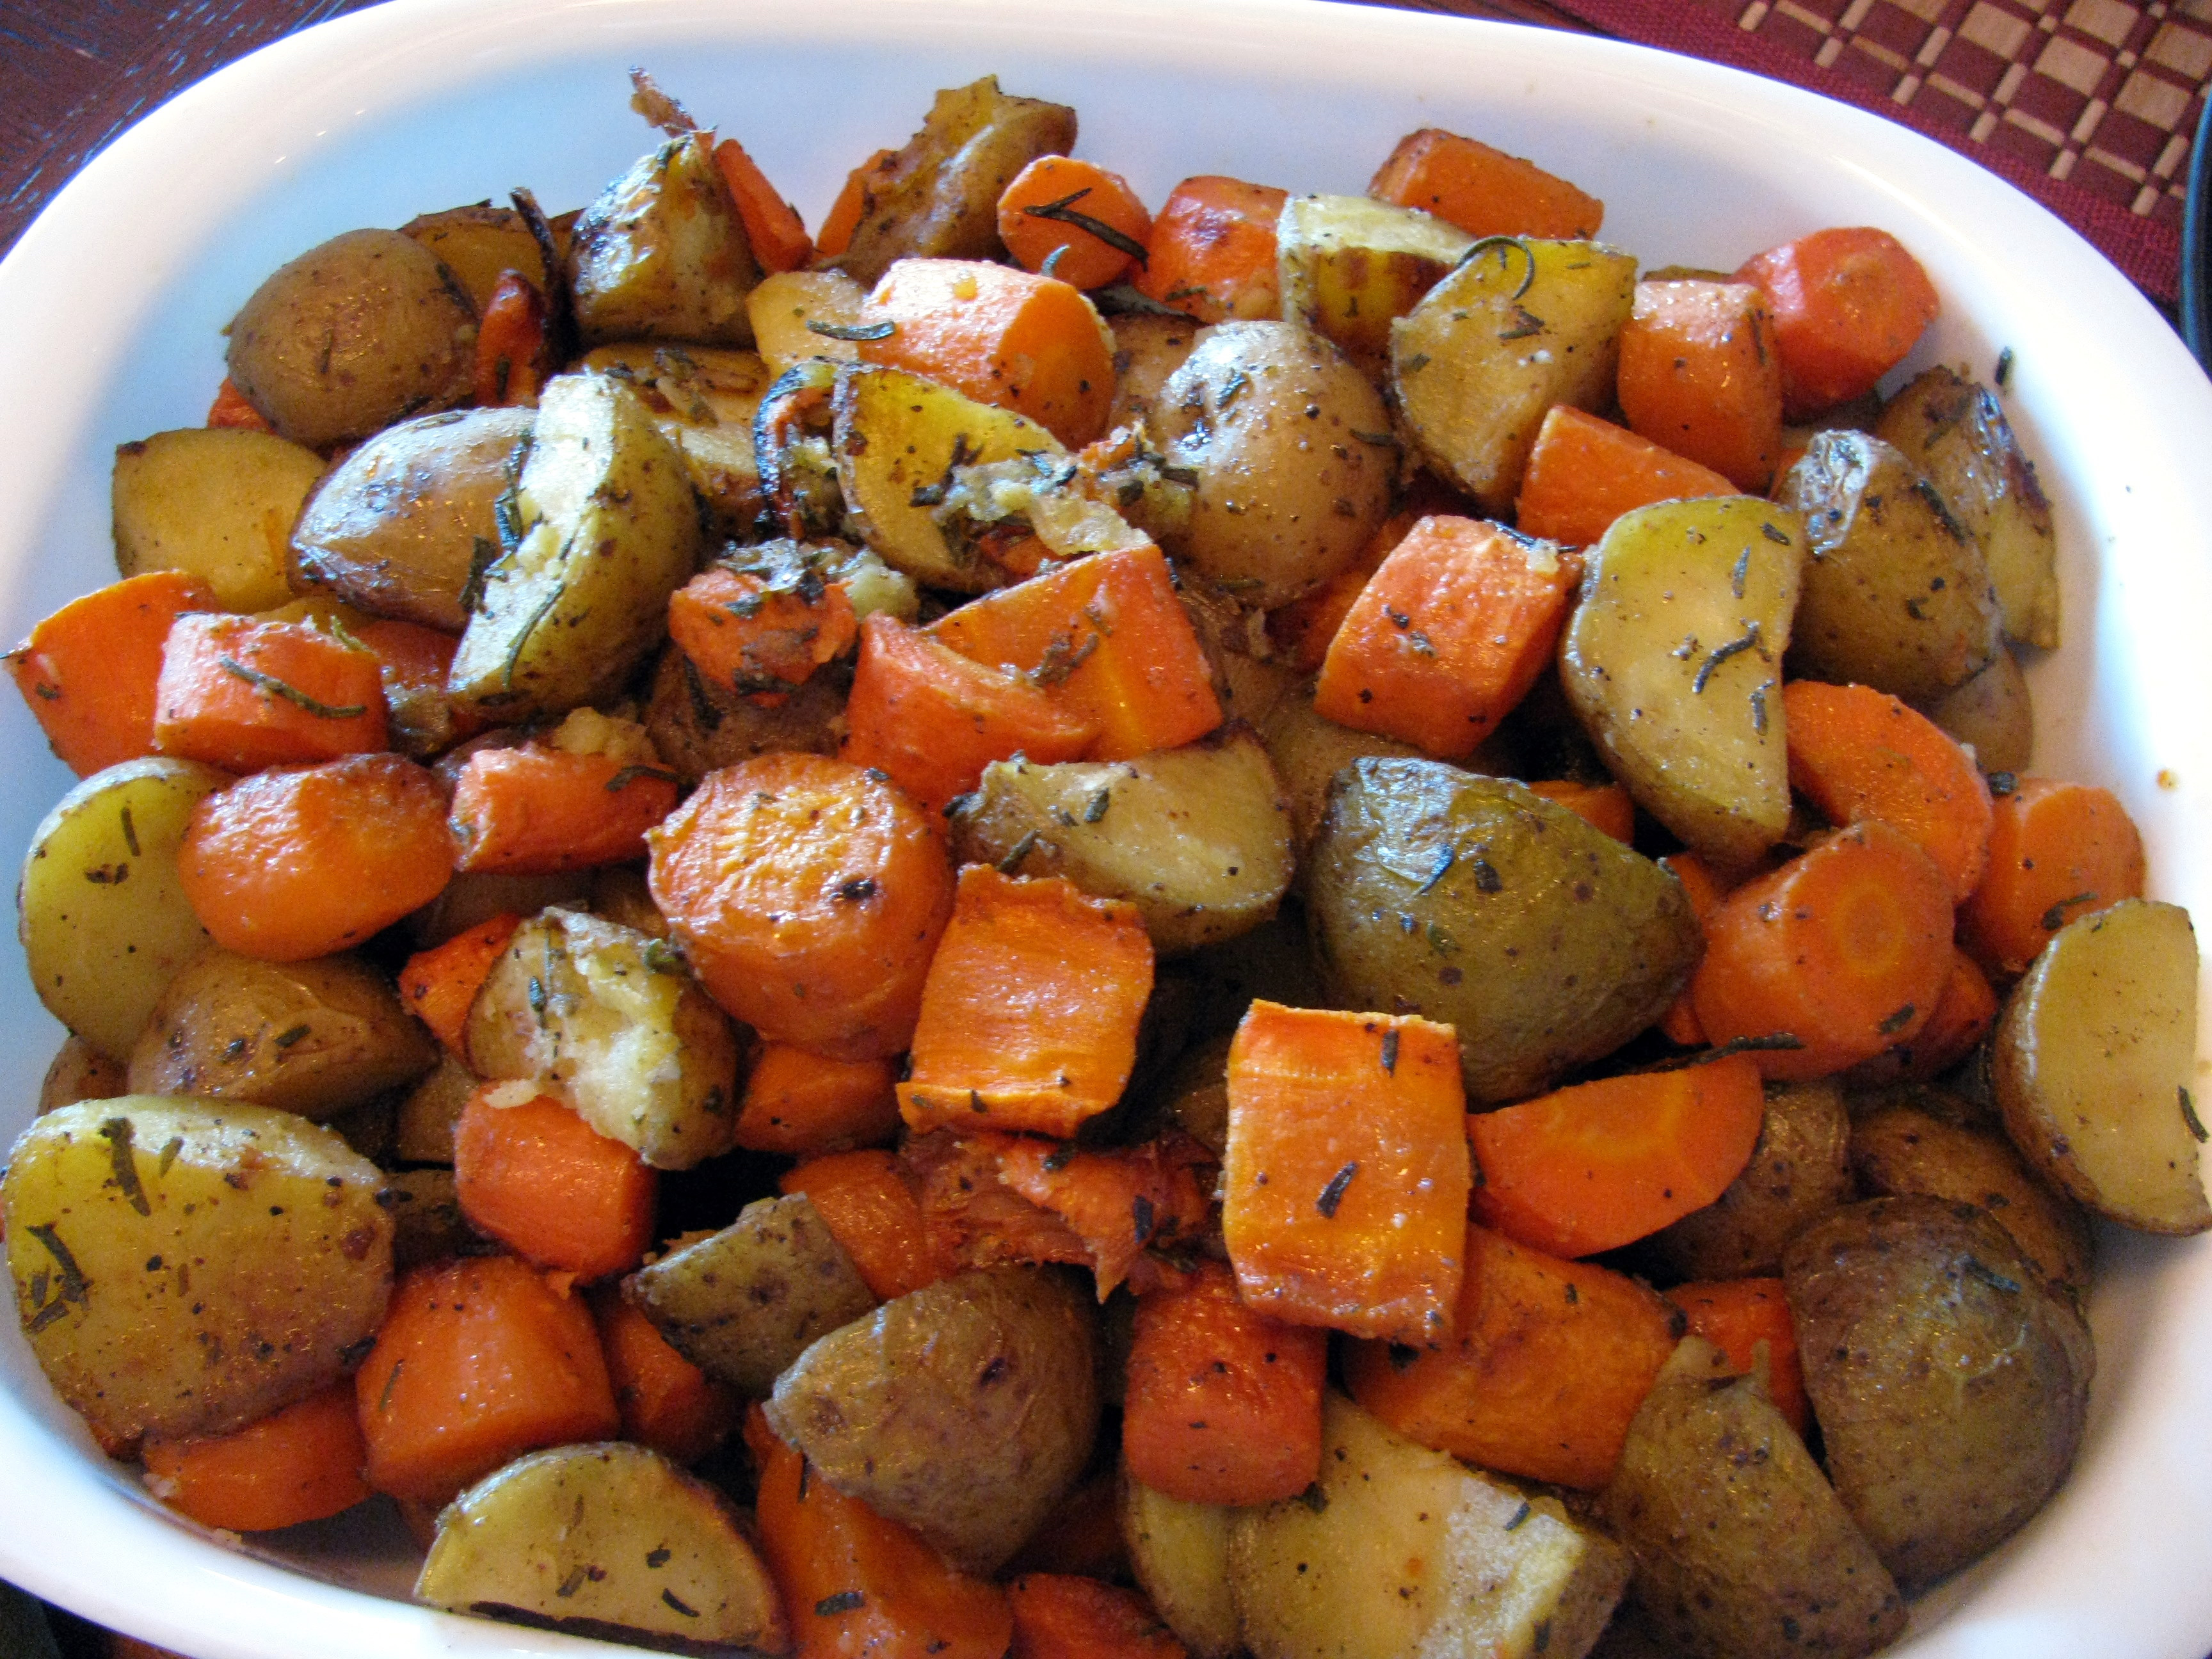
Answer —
(1799, 1171)
(660, 254)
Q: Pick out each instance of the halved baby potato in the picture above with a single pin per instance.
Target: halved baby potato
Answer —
(217, 502)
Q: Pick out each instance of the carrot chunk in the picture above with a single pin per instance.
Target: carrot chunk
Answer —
(440, 985)
(1699, 374)
(1062, 1616)
(1705, 890)
(1211, 253)
(232, 409)
(1223, 1404)
(740, 632)
(1584, 473)
(772, 225)
(514, 350)
(547, 1185)
(853, 204)
(1030, 1013)
(302, 1463)
(242, 694)
(1484, 192)
(667, 1402)
(1965, 1010)
(802, 1104)
(1736, 1316)
(1848, 305)
(1607, 806)
(1551, 1360)
(869, 1209)
(1346, 1176)
(2057, 851)
(1083, 219)
(89, 671)
(534, 809)
(1602, 1164)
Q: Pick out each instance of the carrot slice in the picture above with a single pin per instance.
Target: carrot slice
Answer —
(667, 1402)
(1736, 1316)
(1705, 890)
(535, 811)
(1584, 473)
(740, 632)
(1607, 806)
(232, 409)
(803, 1103)
(547, 1185)
(1966, 1012)
(1848, 305)
(440, 985)
(1083, 219)
(89, 671)
(302, 1463)
(1699, 374)
(514, 354)
(2057, 851)
(772, 225)
(242, 694)
(1062, 1616)
(853, 203)
(870, 1210)
(1212, 254)
(1484, 192)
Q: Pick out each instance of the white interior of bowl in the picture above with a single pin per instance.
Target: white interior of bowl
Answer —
(110, 309)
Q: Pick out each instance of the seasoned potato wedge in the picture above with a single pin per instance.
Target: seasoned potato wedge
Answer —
(218, 502)
(1522, 323)
(423, 1130)
(1148, 349)
(611, 1540)
(1673, 661)
(699, 727)
(1799, 1170)
(1401, 1550)
(743, 1304)
(1180, 1553)
(2095, 1054)
(184, 1267)
(606, 531)
(1309, 749)
(783, 305)
(1197, 838)
(965, 1409)
(1351, 266)
(703, 399)
(660, 254)
(79, 1072)
(478, 244)
(103, 923)
(1993, 713)
(614, 1018)
(312, 1037)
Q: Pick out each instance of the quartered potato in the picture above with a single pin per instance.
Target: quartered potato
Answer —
(1399, 1550)
(1180, 1553)
(785, 305)
(662, 255)
(1673, 661)
(1197, 838)
(2096, 1052)
(703, 399)
(104, 922)
(478, 244)
(614, 1017)
(606, 531)
(184, 1267)
(1522, 323)
(612, 1539)
(1799, 1170)
(1148, 349)
(1351, 266)
(218, 502)
(1992, 714)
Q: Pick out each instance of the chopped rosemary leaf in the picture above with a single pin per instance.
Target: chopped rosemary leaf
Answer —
(631, 774)
(856, 331)
(1390, 1050)
(842, 1601)
(2189, 1115)
(1017, 853)
(1747, 642)
(1063, 212)
(1333, 1194)
(74, 1283)
(271, 686)
(117, 1133)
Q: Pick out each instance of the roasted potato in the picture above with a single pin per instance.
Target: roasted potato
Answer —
(785, 305)
(1992, 714)
(426, 1222)
(79, 1072)
(1148, 349)
(1352, 265)
(1799, 1170)
(216, 502)
(1180, 1553)
(423, 1128)
(703, 399)
(660, 254)
(699, 727)
(479, 244)
(1309, 749)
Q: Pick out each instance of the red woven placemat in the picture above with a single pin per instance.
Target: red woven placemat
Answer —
(2088, 105)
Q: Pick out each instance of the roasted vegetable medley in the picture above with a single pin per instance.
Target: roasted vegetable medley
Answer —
(1303, 924)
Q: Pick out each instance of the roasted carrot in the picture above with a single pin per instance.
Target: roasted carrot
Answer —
(1848, 305)
(89, 671)
(740, 632)
(2057, 850)
(1106, 636)
(300, 862)
(536, 1177)
(1698, 376)
(1830, 959)
(1705, 891)
(1211, 253)
(1006, 337)
(870, 1210)
(667, 1402)
(1484, 192)
(513, 353)
(1073, 219)
(1858, 753)
(242, 694)
(1223, 1404)
(1965, 1010)
(1063, 1616)
(1608, 806)
(302, 1463)
(772, 225)
(1602, 1164)
(1298, 633)
(1548, 1362)
(853, 204)
(1736, 1316)
(932, 720)
(440, 985)
(1344, 1181)
(1029, 1012)
(478, 1362)
(1584, 473)
(1447, 635)
(808, 894)
(802, 1104)
(535, 810)
(231, 409)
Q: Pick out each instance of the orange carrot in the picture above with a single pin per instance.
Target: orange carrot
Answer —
(1029, 1012)
(1699, 376)
(513, 353)
(2057, 851)
(1584, 473)
(1299, 632)
(1602, 1164)
(1223, 1404)
(1212, 254)
(667, 1402)
(1833, 958)
(242, 695)
(1608, 806)
(535, 810)
(298, 863)
(1705, 891)
(1062, 1616)
(1345, 1177)
(772, 225)
(1106, 636)
(1965, 1010)
(1848, 305)
(478, 1362)
(302, 1463)
(1055, 210)
(1448, 636)
(932, 720)
(1484, 192)
(414, 659)
(1549, 1361)
(536, 1177)
(440, 985)
(1737, 1314)
(802, 1104)
(1857, 753)
(1006, 337)
(232, 409)
(808, 896)
(871, 1211)
(740, 632)
(857, 1586)
(89, 671)
(853, 204)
